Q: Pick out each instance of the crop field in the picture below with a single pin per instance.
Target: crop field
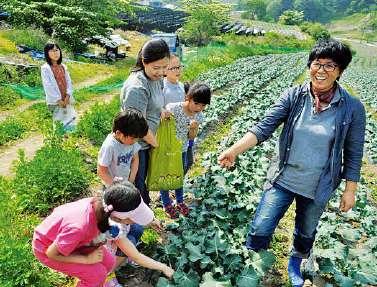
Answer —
(207, 247)
(210, 242)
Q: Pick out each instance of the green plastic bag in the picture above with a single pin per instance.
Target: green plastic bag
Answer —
(165, 169)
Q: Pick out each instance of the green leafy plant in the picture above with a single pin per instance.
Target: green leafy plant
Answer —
(96, 123)
(54, 176)
(8, 97)
(11, 129)
(18, 266)
(316, 30)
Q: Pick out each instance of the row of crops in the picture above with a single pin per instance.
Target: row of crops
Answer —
(243, 79)
(362, 77)
(207, 248)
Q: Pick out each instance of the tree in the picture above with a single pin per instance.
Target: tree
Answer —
(256, 9)
(70, 21)
(316, 30)
(274, 9)
(292, 17)
(205, 17)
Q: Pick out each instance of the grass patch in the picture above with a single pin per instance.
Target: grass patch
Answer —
(37, 117)
(80, 72)
(136, 39)
(353, 27)
(6, 45)
(32, 38)
(14, 75)
(120, 74)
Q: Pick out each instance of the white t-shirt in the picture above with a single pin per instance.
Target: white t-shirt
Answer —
(117, 156)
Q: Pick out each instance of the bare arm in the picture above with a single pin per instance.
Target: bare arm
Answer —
(130, 250)
(193, 130)
(150, 139)
(103, 173)
(53, 253)
(228, 157)
(134, 168)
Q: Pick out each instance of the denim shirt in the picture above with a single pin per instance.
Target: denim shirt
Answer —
(346, 151)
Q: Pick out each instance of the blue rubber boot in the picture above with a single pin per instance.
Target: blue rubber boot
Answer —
(294, 272)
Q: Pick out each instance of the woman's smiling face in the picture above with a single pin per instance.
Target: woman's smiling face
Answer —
(157, 69)
(323, 74)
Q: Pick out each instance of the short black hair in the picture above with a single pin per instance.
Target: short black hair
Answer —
(332, 49)
(131, 122)
(50, 46)
(200, 93)
(123, 196)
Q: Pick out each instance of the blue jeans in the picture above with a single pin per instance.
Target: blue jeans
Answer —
(190, 155)
(164, 194)
(142, 175)
(274, 203)
(134, 235)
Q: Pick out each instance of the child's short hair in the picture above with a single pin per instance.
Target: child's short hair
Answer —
(200, 93)
(131, 122)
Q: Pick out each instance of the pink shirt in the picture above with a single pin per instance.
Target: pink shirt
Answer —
(72, 226)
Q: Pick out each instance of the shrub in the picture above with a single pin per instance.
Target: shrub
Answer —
(18, 266)
(316, 30)
(96, 123)
(7, 96)
(54, 176)
(291, 17)
(11, 74)
(11, 129)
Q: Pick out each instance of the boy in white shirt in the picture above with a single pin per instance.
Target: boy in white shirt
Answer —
(118, 156)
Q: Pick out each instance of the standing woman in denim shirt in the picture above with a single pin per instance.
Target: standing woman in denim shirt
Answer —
(321, 143)
(143, 90)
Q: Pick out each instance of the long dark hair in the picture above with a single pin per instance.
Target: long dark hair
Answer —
(123, 196)
(50, 46)
(152, 50)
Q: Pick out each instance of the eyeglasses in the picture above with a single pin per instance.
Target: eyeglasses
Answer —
(176, 68)
(328, 67)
